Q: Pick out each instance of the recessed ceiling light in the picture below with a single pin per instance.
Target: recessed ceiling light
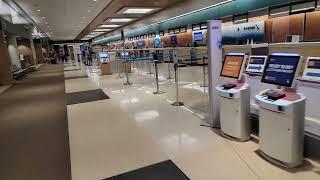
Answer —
(38, 10)
(137, 10)
(102, 30)
(110, 26)
(119, 20)
(43, 17)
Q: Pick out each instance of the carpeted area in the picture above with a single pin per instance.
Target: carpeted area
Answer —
(34, 142)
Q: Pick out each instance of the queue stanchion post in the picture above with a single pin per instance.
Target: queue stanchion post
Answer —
(177, 102)
(157, 78)
(204, 85)
(119, 69)
(169, 71)
(127, 74)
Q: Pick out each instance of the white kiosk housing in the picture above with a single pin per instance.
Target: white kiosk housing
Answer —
(281, 112)
(312, 69)
(234, 99)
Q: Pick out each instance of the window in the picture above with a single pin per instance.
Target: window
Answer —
(258, 15)
(161, 33)
(183, 29)
(203, 25)
(279, 11)
(241, 18)
(303, 7)
(196, 27)
(171, 31)
(136, 37)
(176, 31)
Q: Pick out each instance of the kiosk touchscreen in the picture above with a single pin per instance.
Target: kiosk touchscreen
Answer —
(104, 57)
(256, 64)
(281, 112)
(312, 69)
(234, 99)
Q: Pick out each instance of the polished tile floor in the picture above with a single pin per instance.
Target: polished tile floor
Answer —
(135, 128)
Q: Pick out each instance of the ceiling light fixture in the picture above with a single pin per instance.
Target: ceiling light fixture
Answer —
(109, 26)
(38, 10)
(119, 20)
(137, 10)
(102, 30)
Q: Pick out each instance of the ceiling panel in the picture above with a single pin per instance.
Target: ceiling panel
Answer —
(62, 19)
(111, 11)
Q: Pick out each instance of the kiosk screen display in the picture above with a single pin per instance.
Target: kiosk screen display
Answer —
(257, 60)
(232, 66)
(256, 64)
(314, 64)
(103, 55)
(280, 70)
(198, 36)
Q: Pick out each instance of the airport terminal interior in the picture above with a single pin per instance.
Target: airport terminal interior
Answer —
(159, 89)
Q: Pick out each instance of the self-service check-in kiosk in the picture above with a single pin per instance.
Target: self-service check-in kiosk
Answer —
(281, 112)
(256, 64)
(105, 64)
(312, 69)
(234, 99)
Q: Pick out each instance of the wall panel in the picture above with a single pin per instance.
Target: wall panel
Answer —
(312, 32)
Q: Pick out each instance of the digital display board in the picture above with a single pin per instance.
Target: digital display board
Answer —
(197, 36)
(157, 41)
(174, 40)
(256, 64)
(232, 66)
(281, 69)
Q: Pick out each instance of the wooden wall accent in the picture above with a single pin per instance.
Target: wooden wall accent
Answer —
(166, 41)
(287, 25)
(268, 30)
(184, 39)
(280, 29)
(296, 24)
(149, 43)
(5, 68)
(312, 29)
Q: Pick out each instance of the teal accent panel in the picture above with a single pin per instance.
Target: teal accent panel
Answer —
(234, 7)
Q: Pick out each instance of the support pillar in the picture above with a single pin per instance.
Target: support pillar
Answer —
(5, 68)
(13, 51)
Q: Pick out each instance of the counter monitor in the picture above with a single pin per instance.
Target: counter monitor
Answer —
(281, 70)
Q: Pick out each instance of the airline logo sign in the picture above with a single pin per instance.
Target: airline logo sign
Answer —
(244, 31)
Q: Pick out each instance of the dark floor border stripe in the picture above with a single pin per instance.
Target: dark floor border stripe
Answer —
(75, 77)
(85, 96)
(166, 170)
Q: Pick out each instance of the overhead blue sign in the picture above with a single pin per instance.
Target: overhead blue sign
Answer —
(244, 31)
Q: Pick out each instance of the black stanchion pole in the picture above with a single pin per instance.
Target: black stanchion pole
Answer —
(157, 78)
(204, 74)
(127, 74)
(177, 103)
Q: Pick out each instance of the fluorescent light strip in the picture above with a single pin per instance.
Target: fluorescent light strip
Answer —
(279, 13)
(137, 11)
(302, 9)
(102, 30)
(120, 20)
(199, 10)
(110, 26)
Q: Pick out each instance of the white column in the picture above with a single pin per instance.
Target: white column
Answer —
(214, 68)
(13, 51)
